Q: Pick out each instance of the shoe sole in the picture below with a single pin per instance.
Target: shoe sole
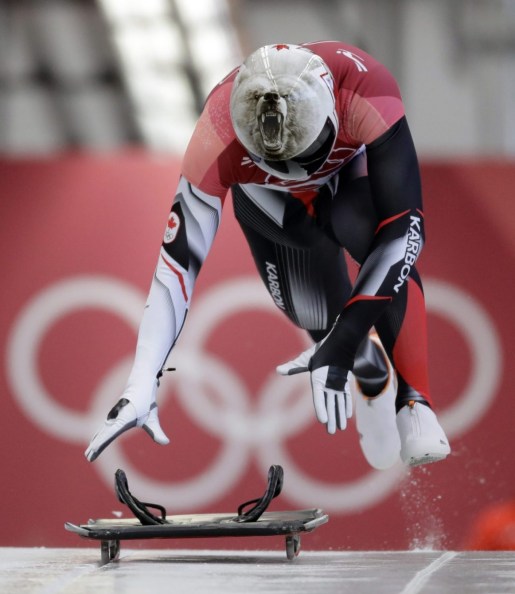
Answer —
(424, 459)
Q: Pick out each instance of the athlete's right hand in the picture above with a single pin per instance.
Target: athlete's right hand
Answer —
(122, 417)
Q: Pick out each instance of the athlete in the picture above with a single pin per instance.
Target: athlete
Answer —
(313, 142)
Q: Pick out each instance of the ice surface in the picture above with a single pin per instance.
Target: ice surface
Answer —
(138, 571)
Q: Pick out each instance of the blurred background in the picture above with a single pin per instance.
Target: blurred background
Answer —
(100, 75)
(98, 100)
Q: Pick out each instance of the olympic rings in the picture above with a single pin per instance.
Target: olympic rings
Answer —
(228, 299)
(244, 431)
(206, 486)
(487, 361)
(37, 317)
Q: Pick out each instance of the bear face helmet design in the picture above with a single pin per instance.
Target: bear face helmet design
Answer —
(283, 110)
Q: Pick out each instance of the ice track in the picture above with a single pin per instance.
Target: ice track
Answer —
(78, 571)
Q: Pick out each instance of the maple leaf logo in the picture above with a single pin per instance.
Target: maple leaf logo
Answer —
(172, 227)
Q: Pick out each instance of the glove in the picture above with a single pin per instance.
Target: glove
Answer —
(330, 388)
(122, 417)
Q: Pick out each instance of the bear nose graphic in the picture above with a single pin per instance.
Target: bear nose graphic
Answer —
(271, 96)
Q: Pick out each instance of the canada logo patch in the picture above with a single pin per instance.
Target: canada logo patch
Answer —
(172, 227)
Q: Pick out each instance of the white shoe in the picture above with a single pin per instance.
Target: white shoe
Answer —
(376, 421)
(422, 438)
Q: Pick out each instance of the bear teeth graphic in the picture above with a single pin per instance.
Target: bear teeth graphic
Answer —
(271, 128)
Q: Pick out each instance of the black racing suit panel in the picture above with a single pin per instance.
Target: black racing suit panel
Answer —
(396, 196)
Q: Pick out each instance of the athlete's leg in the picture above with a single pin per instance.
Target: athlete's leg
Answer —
(303, 269)
(402, 328)
(403, 332)
(373, 383)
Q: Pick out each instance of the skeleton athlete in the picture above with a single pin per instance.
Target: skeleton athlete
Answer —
(313, 142)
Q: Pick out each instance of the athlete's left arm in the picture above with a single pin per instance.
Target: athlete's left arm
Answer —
(394, 177)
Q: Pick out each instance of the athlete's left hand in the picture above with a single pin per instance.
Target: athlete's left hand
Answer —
(330, 387)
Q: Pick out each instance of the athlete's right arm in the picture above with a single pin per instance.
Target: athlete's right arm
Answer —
(189, 234)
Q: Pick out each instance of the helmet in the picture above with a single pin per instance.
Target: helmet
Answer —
(283, 110)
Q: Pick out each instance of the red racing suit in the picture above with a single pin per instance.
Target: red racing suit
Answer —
(373, 152)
